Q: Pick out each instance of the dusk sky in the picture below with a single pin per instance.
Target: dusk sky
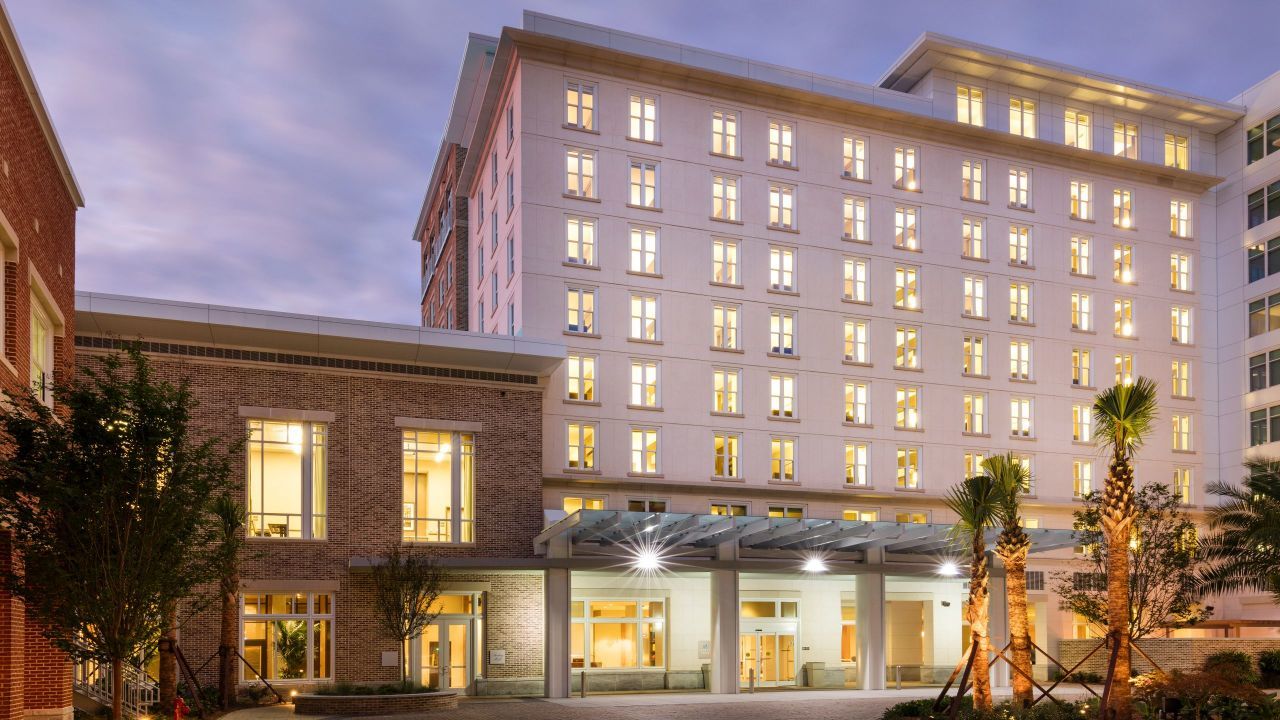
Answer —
(274, 153)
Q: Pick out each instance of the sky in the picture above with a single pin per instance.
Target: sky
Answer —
(274, 153)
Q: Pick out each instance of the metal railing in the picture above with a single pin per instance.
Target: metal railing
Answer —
(92, 679)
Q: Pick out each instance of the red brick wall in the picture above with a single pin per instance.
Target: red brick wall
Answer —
(454, 303)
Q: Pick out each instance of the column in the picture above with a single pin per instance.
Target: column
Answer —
(999, 629)
(556, 589)
(724, 623)
(869, 599)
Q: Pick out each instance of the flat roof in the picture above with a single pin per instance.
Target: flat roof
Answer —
(128, 318)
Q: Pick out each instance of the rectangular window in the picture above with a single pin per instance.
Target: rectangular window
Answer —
(1019, 188)
(1022, 117)
(975, 297)
(287, 635)
(1020, 417)
(1124, 369)
(1081, 200)
(1122, 263)
(854, 515)
(1125, 140)
(781, 143)
(724, 390)
(908, 475)
(856, 287)
(618, 634)
(969, 106)
(1181, 378)
(511, 192)
(1081, 311)
(782, 395)
(972, 461)
(642, 118)
(580, 105)
(856, 343)
(857, 403)
(1123, 317)
(724, 456)
(1122, 208)
(781, 206)
(974, 354)
(1078, 130)
(573, 504)
(1264, 315)
(724, 326)
(511, 257)
(580, 377)
(493, 291)
(1020, 245)
(644, 451)
(973, 238)
(1175, 152)
(724, 262)
(914, 518)
(1182, 432)
(644, 317)
(857, 462)
(511, 124)
(908, 407)
(644, 384)
(1180, 218)
(907, 348)
(580, 173)
(782, 268)
(439, 486)
(724, 133)
(1262, 139)
(643, 257)
(1180, 271)
(855, 158)
(782, 459)
(643, 184)
(1081, 367)
(855, 218)
(1182, 484)
(40, 353)
(905, 170)
(975, 413)
(1019, 359)
(972, 184)
(1020, 302)
(1264, 204)
(1081, 423)
(580, 308)
(730, 509)
(906, 290)
(1081, 478)
(782, 338)
(905, 231)
(288, 487)
(724, 197)
(783, 511)
(1180, 320)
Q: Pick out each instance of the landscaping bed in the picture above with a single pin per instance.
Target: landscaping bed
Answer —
(370, 702)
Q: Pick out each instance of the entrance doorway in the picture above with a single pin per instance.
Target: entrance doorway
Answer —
(769, 657)
(445, 653)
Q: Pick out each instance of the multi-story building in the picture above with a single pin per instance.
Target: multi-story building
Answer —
(38, 202)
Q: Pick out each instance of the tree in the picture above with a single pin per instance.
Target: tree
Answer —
(1242, 551)
(1164, 566)
(974, 501)
(406, 585)
(108, 504)
(1011, 479)
(1122, 416)
(230, 531)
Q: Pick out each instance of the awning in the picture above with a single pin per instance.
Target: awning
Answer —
(610, 532)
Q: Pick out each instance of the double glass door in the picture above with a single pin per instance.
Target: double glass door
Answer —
(769, 656)
(445, 652)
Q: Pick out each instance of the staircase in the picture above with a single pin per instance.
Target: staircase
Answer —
(92, 686)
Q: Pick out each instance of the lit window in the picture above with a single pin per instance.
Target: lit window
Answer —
(856, 347)
(972, 186)
(975, 297)
(1262, 139)
(644, 383)
(908, 408)
(969, 105)
(724, 197)
(1081, 423)
(643, 257)
(1122, 263)
(1180, 320)
(857, 471)
(1263, 204)
(288, 489)
(855, 158)
(782, 338)
(908, 477)
(974, 353)
(1081, 478)
(580, 105)
(580, 377)
(856, 281)
(855, 515)
(1081, 311)
(1122, 208)
(724, 262)
(1175, 151)
(1124, 369)
(1180, 271)
(857, 401)
(975, 413)
(644, 317)
(1182, 432)
(906, 290)
(644, 450)
(1081, 255)
(724, 456)
(724, 327)
(581, 451)
(973, 237)
(855, 218)
(643, 184)
(1264, 426)
(781, 143)
(573, 504)
(1125, 140)
(1020, 417)
(643, 118)
(905, 231)
(1022, 117)
(580, 173)
(287, 635)
(782, 395)
(907, 344)
(724, 133)
(1081, 367)
(782, 511)
(724, 390)
(439, 484)
(731, 509)
(1179, 218)
(1020, 302)
(913, 518)
(1019, 359)
(781, 206)
(1081, 200)
(1020, 245)
(1181, 378)
(1019, 188)
(782, 265)
(1123, 317)
(40, 353)
(1078, 129)
(580, 306)
(782, 459)
(1264, 315)
(972, 462)
(905, 172)
(1182, 484)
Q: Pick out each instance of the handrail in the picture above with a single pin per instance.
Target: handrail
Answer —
(93, 679)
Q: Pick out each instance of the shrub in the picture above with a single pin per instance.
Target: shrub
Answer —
(345, 688)
(1269, 668)
(1084, 676)
(1233, 664)
(1045, 710)
(1210, 693)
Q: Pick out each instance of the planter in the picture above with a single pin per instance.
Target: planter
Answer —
(374, 704)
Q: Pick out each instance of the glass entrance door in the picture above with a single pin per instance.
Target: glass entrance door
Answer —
(769, 656)
(445, 653)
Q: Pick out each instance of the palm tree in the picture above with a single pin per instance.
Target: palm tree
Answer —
(1123, 416)
(231, 540)
(1011, 479)
(975, 502)
(1243, 549)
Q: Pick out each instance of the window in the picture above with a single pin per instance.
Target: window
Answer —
(1180, 218)
(580, 307)
(1124, 369)
(1019, 359)
(731, 509)
(1020, 302)
(1264, 204)
(287, 635)
(1022, 117)
(41, 353)
(972, 461)
(782, 459)
(781, 206)
(856, 344)
(782, 395)
(855, 158)
(975, 296)
(724, 390)
(1122, 263)
(973, 238)
(1081, 255)
(1182, 432)
(1020, 245)
(724, 262)
(1261, 139)
(1175, 151)
(782, 511)
(617, 634)
(974, 354)
(1081, 311)
(1182, 484)
(906, 290)
(907, 344)
(644, 450)
(439, 486)
(580, 377)
(914, 518)
(580, 105)
(724, 133)
(1264, 426)
(1180, 271)
(724, 197)
(1181, 378)
(1081, 423)
(1020, 417)
(511, 192)
(644, 384)
(1125, 140)
(493, 291)
(857, 403)
(1123, 317)
(905, 172)
(782, 339)
(908, 476)
(493, 170)
(1019, 188)
(511, 124)
(644, 317)
(975, 413)
(1264, 315)
(908, 408)
(1081, 200)
(1078, 129)
(724, 327)
(1264, 370)
(511, 257)
(855, 218)
(642, 118)
(724, 456)
(493, 237)
(1180, 320)
(856, 287)
(1081, 478)
(972, 186)
(856, 515)
(288, 487)
(1122, 208)
(1081, 367)
(580, 173)
(1264, 259)
(782, 263)
(643, 257)
(781, 143)
(857, 472)
(573, 504)
(969, 105)
(905, 235)
(643, 184)
(580, 241)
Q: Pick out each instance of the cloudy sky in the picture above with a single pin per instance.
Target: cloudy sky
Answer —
(274, 153)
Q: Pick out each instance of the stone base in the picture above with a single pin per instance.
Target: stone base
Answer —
(510, 687)
(374, 704)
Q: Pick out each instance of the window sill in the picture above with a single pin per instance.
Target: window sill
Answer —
(1026, 438)
(907, 429)
(781, 228)
(1125, 337)
(1131, 228)
(1082, 331)
(903, 188)
(581, 471)
(730, 286)
(587, 198)
(975, 377)
(1175, 343)
(1183, 452)
(726, 156)
(976, 201)
(852, 239)
(852, 424)
(1077, 218)
(908, 490)
(581, 403)
(784, 356)
(1085, 276)
(1181, 291)
(653, 476)
(975, 434)
(904, 368)
(851, 301)
(1021, 208)
(646, 408)
(716, 413)
(1022, 381)
(719, 479)
(643, 341)
(904, 248)
(781, 165)
(579, 128)
(1022, 323)
(971, 258)
(717, 348)
(1186, 397)
(856, 363)
(302, 541)
(655, 143)
(429, 543)
(983, 318)
(856, 488)
(1089, 388)
(779, 418)
(582, 266)
(650, 208)
(780, 291)
(1083, 443)
(638, 273)
(904, 308)
(572, 333)
(1021, 266)
(1176, 236)
(854, 178)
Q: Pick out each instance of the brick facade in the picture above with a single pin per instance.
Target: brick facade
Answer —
(1169, 653)
(444, 300)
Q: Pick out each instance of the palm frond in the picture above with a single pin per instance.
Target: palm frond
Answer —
(975, 501)
(1123, 415)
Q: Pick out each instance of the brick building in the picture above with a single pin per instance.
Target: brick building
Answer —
(38, 202)
(360, 436)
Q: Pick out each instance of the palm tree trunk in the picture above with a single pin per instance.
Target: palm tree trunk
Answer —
(979, 621)
(1019, 632)
(117, 688)
(227, 642)
(1117, 523)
